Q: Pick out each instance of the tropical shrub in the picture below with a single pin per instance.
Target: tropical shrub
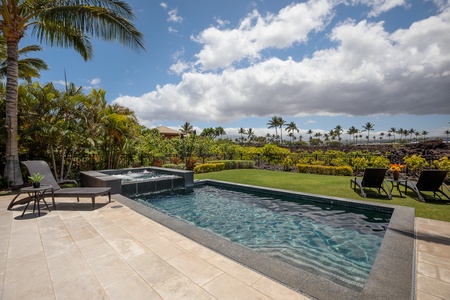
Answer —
(379, 162)
(274, 154)
(415, 163)
(236, 164)
(442, 164)
(325, 170)
(359, 163)
(209, 167)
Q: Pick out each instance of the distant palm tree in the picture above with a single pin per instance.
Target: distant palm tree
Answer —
(352, 131)
(381, 135)
(411, 132)
(187, 128)
(389, 136)
(291, 128)
(424, 133)
(368, 127)
(250, 134)
(393, 131)
(338, 131)
(281, 123)
(310, 132)
(447, 132)
(242, 131)
(273, 123)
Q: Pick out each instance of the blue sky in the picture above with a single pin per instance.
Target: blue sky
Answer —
(235, 63)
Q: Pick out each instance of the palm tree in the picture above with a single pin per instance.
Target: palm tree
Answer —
(67, 24)
(250, 134)
(310, 132)
(338, 131)
(28, 67)
(393, 131)
(291, 128)
(352, 131)
(219, 131)
(242, 131)
(274, 123)
(381, 135)
(424, 133)
(447, 132)
(187, 128)
(368, 127)
(411, 132)
(281, 123)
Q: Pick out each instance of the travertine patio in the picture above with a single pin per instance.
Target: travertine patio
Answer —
(115, 253)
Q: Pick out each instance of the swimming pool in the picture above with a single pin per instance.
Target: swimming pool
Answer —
(343, 268)
(337, 242)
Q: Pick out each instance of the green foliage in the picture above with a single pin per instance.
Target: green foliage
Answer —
(325, 170)
(359, 163)
(288, 162)
(379, 162)
(209, 167)
(274, 154)
(416, 163)
(442, 164)
(236, 164)
(36, 177)
(174, 166)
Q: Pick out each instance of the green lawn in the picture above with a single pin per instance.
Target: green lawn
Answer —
(337, 186)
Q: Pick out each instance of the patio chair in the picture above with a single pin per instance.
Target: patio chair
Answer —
(429, 181)
(372, 178)
(41, 167)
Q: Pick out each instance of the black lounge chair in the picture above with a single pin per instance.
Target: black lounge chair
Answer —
(429, 181)
(372, 178)
(41, 167)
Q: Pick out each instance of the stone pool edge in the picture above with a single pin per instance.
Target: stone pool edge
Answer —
(392, 275)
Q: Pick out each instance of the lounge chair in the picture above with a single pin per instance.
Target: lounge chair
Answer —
(429, 181)
(372, 178)
(41, 167)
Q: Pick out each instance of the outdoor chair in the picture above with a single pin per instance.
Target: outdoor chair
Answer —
(41, 167)
(429, 181)
(372, 178)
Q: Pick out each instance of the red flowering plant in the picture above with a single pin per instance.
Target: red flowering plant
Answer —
(396, 167)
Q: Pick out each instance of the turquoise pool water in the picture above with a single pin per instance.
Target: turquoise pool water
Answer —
(339, 243)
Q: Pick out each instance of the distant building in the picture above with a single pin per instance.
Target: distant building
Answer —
(167, 132)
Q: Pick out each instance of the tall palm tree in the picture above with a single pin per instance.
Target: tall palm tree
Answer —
(291, 128)
(338, 131)
(68, 23)
(242, 131)
(310, 132)
(27, 67)
(250, 134)
(368, 127)
(187, 128)
(393, 130)
(447, 132)
(424, 134)
(411, 132)
(273, 123)
(281, 123)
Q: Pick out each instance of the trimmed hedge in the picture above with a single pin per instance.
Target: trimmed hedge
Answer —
(174, 166)
(236, 164)
(325, 170)
(205, 168)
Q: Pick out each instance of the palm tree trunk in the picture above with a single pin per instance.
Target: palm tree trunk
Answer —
(12, 168)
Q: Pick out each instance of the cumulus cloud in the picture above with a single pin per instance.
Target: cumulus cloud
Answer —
(381, 6)
(291, 25)
(369, 71)
(95, 81)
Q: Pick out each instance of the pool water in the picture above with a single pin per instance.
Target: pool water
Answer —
(339, 243)
(140, 176)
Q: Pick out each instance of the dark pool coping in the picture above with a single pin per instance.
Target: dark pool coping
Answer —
(392, 275)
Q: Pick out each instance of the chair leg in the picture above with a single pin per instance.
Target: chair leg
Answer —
(93, 203)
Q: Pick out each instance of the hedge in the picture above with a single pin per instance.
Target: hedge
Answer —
(210, 167)
(236, 164)
(325, 170)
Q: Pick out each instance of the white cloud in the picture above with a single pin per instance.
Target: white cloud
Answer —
(381, 6)
(95, 81)
(163, 5)
(179, 67)
(369, 72)
(174, 17)
(292, 24)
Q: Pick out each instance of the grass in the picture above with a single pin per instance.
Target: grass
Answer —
(337, 186)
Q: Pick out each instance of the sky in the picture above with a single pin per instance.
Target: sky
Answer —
(234, 63)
